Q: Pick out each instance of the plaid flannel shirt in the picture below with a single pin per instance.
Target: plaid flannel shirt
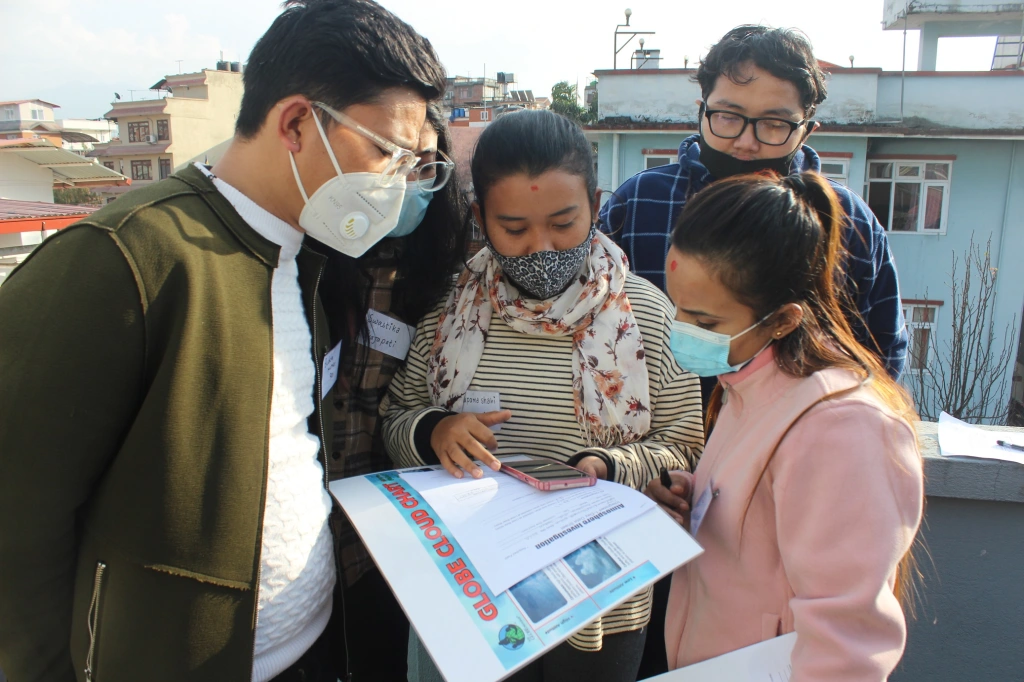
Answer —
(357, 448)
(640, 216)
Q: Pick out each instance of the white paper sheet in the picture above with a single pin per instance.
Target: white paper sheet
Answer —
(474, 637)
(512, 530)
(960, 439)
(767, 661)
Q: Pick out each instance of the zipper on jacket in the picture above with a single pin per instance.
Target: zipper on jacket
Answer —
(323, 449)
(319, 390)
(94, 619)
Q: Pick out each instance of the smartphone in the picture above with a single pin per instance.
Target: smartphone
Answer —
(546, 474)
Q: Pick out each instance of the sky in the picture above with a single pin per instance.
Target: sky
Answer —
(78, 53)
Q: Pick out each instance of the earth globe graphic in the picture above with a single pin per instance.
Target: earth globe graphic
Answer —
(511, 637)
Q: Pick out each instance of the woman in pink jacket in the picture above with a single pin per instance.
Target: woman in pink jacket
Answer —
(810, 489)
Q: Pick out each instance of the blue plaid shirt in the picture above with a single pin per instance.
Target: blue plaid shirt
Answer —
(641, 214)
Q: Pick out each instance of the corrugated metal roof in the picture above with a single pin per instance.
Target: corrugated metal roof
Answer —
(17, 210)
(68, 167)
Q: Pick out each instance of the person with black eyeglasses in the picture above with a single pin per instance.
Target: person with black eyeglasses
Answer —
(760, 87)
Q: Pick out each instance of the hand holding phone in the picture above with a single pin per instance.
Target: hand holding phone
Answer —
(546, 474)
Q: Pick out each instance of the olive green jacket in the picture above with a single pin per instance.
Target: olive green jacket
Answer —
(136, 366)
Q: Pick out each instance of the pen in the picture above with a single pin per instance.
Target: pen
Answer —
(1003, 443)
(666, 480)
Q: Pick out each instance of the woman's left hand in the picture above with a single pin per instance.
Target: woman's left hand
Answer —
(593, 465)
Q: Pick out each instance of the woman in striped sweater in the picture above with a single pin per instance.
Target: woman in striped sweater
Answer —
(547, 322)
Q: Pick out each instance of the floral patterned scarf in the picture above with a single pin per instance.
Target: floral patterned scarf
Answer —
(610, 384)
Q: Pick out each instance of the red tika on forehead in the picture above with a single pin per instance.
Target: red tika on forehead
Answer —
(534, 188)
(673, 265)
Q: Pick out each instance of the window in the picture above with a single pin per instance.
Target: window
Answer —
(651, 161)
(10, 113)
(836, 169)
(142, 170)
(108, 164)
(162, 132)
(921, 327)
(165, 168)
(485, 115)
(910, 196)
(138, 132)
(37, 114)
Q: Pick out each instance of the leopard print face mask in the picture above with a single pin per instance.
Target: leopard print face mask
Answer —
(544, 274)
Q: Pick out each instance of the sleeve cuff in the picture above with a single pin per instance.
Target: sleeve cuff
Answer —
(605, 457)
(423, 430)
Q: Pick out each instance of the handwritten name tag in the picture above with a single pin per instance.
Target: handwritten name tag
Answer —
(479, 402)
(388, 335)
(329, 376)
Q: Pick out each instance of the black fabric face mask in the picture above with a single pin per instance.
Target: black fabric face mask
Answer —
(722, 165)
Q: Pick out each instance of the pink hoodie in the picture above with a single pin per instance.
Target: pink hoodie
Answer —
(833, 514)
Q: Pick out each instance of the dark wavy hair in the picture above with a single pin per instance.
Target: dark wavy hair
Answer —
(427, 260)
(783, 52)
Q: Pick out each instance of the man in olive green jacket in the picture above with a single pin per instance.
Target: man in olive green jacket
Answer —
(143, 379)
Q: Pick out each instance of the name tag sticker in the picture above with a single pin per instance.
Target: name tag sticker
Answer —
(388, 335)
(329, 376)
(479, 402)
(700, 509)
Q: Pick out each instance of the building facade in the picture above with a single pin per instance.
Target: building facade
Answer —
(195, 113)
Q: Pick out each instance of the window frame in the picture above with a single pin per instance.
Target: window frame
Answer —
(161, 165)
(163, 129)
(913, 327)
(843, 179)
(139, 164)
(108, 164)
(135, 133)
(921, 163)
(648, 157)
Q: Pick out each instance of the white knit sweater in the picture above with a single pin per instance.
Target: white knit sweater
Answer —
(297, 558)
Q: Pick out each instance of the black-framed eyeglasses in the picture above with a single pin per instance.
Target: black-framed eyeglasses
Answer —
(768, 130)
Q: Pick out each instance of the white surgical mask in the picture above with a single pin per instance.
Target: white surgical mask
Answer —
(352, 211)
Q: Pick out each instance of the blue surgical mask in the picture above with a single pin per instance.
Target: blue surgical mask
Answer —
(414, 207)
(704, 352)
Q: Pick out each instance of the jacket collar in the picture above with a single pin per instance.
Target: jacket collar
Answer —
(806, 159)
(262, 248)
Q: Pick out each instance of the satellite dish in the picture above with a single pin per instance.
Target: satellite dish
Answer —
(117, 96)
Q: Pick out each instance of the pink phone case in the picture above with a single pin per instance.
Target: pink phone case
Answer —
(547, 486)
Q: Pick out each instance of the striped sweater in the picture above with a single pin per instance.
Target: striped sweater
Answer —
(533, 375)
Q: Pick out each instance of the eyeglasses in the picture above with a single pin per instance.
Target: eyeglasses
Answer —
(434, 175)
(729, 125)
(403, 161)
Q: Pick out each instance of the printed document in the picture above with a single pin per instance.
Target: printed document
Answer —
(512, 530)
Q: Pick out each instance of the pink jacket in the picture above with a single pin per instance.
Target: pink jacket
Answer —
(835, 511)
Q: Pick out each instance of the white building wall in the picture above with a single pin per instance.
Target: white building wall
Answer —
(23, 180)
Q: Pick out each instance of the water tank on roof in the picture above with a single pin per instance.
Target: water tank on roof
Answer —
(235, 67)
(223, 66)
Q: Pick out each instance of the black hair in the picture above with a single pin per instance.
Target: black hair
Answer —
(434, 252)
(427, 260)
(531, 142)
(340, 52)
(783, 52)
